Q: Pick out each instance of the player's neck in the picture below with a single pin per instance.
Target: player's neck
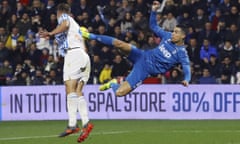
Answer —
(180, 43)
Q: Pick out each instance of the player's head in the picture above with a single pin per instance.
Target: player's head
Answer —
(63, 8)
(179, 33)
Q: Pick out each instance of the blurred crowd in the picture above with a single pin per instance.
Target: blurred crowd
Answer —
(213, 41)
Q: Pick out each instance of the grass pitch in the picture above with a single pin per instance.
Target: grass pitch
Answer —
(125, 132)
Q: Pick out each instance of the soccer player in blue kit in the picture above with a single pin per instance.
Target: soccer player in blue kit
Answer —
(170, 52)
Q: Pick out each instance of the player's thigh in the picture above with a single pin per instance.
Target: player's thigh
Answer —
(71, 86)
(123, 46)
(137, 75)
(76, 69)
(136, 55)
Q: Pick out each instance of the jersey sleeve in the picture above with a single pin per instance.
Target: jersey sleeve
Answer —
(63, 17)
(185, 62)
(156, 28)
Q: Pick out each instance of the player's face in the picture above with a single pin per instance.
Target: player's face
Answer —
(177, 35)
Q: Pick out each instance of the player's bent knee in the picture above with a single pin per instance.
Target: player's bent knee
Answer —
(119, 44)
(120, 93)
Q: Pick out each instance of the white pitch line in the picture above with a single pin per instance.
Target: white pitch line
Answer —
(122, 132)
(51, 136)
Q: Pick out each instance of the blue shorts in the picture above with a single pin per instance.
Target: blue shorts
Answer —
(139, 70)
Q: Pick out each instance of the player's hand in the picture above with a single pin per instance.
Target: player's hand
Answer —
(185, 83)
(45, 34)
(155, 5)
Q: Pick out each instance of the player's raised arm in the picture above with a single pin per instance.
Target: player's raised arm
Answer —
(153, 22)
(186, 67)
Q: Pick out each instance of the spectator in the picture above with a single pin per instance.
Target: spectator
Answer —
(52, 79)
(199, 19)
(193, 50)
(36, 23)
(120, 67)
(48, 10)
(6, 71)
(208, 33)
(79, 8)
(44, 57)
(4, 53)
(227, 70)
(141, 38)
(123, 9)
(216, 18)
(29, 38)
(206, 77)
(105, 74)
(170, 22)
(96, 22)
(196, 74)
(140, 22)
(3, 34)
(24, 24)
(140, 5)
(206, 51)
(225, 6)
(42, 42)
(237, 75)
(191, 34)
(169, 8)
(184, 18)
(20, 76)
(228, 50)
(38, 78)
(50, 64)
(221, 31)
(19, 54)
(106, 54)
(175, 77)
(20, 9)
(233, 33)
(214, 67)
(51, 23)
(34, 54)
(13, 38)
(126, 23)
(233, 17)
(84, 20)
(160, 19)
(110, 10)
(11, 23)
(117, 32)
(36, 8)
(5, 12)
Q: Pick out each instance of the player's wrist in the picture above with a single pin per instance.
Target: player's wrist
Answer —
(50, 34)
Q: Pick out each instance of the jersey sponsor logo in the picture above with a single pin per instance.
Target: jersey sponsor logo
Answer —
(165, 52)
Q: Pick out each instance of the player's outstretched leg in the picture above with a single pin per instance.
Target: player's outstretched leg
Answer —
(108, 40)
(85, 132)
(107, 85)
(69, 130)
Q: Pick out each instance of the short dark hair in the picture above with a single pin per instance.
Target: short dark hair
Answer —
(184, 28)
(63, 7)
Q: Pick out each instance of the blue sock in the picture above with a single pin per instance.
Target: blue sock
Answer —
(114, 87)
(102, 38)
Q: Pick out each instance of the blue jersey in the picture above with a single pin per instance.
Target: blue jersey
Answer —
(166, 54)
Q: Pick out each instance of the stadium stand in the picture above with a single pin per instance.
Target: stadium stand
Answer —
(27, 59)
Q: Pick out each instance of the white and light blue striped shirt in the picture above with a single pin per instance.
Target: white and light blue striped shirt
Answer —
(71, 38)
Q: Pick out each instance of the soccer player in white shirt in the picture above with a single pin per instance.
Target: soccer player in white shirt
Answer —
(76, 69)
